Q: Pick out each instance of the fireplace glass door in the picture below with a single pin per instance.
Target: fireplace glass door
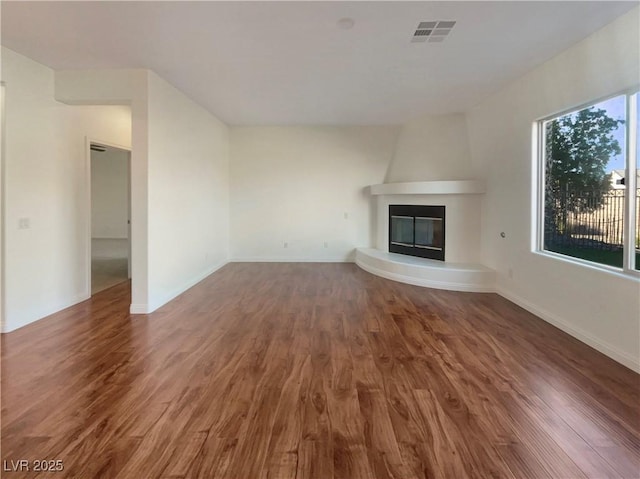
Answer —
(402, 230)
(417, 230)
(428, 233)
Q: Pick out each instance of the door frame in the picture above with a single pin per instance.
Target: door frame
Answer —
(88, 202)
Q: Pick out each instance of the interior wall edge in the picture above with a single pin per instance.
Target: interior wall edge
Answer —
(17, 323)
(261, 259)
(159, 302)
(581, 335)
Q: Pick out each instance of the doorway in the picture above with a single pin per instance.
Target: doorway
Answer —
(110, 241)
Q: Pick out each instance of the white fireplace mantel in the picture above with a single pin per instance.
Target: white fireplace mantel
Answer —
(451, 187)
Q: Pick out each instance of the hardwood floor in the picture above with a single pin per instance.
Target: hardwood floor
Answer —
(314, 371)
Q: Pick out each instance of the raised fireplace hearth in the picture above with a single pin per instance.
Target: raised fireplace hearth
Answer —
(460, 271)
(417, 230)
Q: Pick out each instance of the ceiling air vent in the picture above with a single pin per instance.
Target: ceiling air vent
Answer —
(433, 32)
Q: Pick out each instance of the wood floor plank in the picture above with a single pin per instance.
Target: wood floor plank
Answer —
(313, 371)
(282, 453)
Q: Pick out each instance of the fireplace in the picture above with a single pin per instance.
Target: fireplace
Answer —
(417, 230)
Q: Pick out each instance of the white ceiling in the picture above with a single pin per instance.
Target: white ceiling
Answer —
(288, 62)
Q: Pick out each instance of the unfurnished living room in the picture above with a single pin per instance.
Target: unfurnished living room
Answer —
(320, 240)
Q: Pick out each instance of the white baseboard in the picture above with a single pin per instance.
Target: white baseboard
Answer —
(10, 325)
(139, 309)
(291, 260)
(158, 303)
(604, 347)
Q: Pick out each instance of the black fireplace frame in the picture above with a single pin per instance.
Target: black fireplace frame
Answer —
(419, 211)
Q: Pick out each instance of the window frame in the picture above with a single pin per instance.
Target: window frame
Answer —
(628, 269)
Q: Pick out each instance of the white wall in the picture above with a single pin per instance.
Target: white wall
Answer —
(188, 192)
(46, 183)
(2, 204)
(110, 193)
(432, 148)
(600, 308)
(297, 184)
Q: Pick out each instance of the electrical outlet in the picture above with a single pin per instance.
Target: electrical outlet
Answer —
(510, 273)
(326, 244)
(285, 245)
(346, 215)
(24, 224)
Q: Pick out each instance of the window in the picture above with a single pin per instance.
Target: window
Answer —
(589, 163)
